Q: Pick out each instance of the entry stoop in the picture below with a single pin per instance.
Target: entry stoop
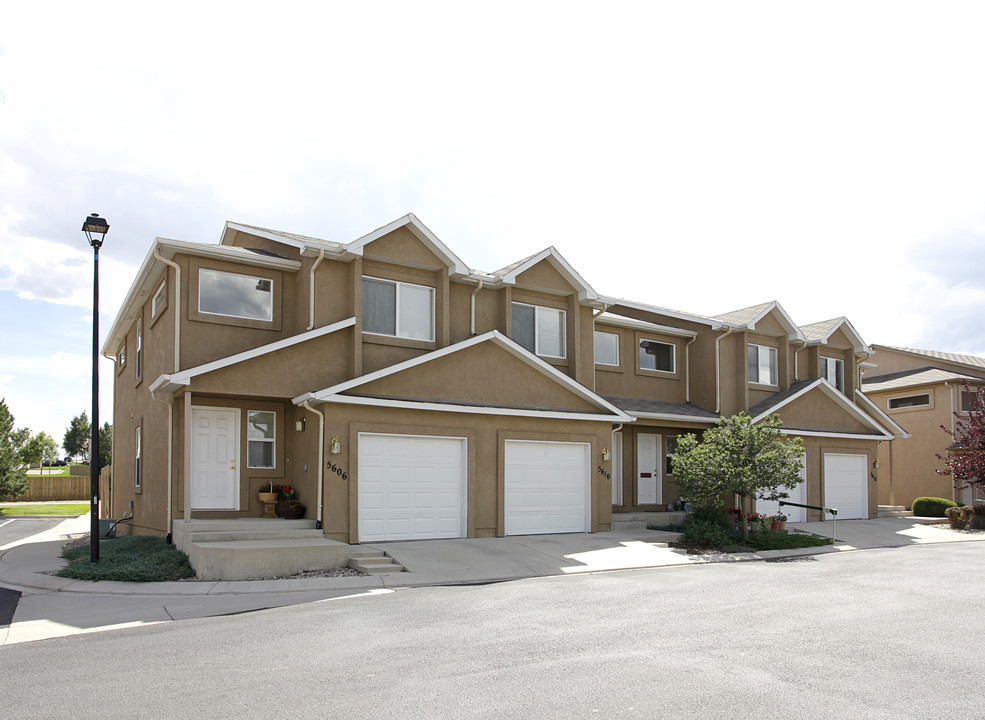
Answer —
(893, 511)
(373, 562)
(253, 548)
(632, 521)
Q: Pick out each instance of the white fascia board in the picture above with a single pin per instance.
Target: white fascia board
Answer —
(147, 276)
(858, 344)
(166, 383)
(793, 330)
(185, 376)
(470, 409)
(835, 395)
(585, 291)
(455, 265)
(610, 301)
(273, 235)
(678, 418)
(874, 409)
(494, 336)
(618, 321)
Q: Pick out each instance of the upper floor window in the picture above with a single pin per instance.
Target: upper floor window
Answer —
(909, 401)
(261, 438)
(139, 350)
(157, 304)
(970, 400)
(235, 295)
(833, 370)
(397, 308)
(121, 357)
(762, 364)
(606, 348)
(540, 329)
(657, 356)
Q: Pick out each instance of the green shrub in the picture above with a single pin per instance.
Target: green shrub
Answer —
(931, 506)
(139, 558)
(784, 540)
(709, 526)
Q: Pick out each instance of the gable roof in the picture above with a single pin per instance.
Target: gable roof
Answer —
(613, 319)
(912, 378)
(820, 332)
(611, 302)
(750, 316)
(773, 403)
(972, 361)
(881, 415)
(508, 275)
(335, 393)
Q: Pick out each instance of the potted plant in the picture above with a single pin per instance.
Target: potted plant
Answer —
(268, 495)
(288, 506)
(779, 521)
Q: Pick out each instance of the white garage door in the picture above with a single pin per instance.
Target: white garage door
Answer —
(411, 487)
(796, 495)
(547, 487)
(846, 486)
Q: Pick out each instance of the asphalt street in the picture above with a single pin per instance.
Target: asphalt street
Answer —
(876, 634)
(13, 529)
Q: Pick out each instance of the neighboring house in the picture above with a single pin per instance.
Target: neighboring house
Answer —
(923, 391)
(405, 395)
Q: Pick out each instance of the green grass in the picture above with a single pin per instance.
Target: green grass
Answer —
(50, 509)
(54, 471)
(783, 540)
(140, 558)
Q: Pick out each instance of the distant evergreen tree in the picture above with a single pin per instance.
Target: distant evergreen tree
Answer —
(77, 437)
(13, 478)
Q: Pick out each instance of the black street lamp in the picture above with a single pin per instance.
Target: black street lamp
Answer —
(95, 229)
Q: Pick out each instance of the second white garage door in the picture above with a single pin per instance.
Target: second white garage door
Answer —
(846, 487)
(411, 487)
(547, 487)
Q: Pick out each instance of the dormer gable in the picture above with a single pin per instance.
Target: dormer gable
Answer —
(838, 332)
(546, 271)
(767, 318)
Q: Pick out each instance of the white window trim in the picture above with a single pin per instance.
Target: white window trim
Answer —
(396, 308)
(238, 317)
(271, 440)
(774, 366)
(922, 406)
(138, 354)
(159, 300)
(673, 356)
(138, 449)
(616, 336)
(837, 362)
(564, 325)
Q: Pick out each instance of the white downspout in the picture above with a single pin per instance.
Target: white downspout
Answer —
(321, 462)
(687, 369)
(311, 289)
(472, 302)
(602, 310)
(177, 308)
(718, 369)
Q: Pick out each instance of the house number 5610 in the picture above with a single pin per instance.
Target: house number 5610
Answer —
(332, 467)
(608, 476)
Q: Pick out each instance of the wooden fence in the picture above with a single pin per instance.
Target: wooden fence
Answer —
(56, 487)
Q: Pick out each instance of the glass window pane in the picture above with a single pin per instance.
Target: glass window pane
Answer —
(550, 332)
(648, 361)
(379, 307)
(606, 348)
(260, 454)
(753, 355)
(260, 425)
(416, 312)
(243, 296)
(523, 326)
(656, 356)
(767, 366)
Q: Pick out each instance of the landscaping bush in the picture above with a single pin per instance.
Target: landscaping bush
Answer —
(784, 540)
(931, 506)
(709, 526)
(958, 516)
(140, 558)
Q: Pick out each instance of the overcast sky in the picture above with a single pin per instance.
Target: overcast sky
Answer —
(702, 156)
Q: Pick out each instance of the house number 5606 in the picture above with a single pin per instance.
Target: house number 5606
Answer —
(332, 467)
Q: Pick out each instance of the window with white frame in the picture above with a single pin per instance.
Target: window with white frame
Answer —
(762, 364)
(398, 309)
(137, 459)
(121, 357)
(241, 296)
(908, 401)
(971, 399)
(139, 350)
(671, 445)
(833, 370)
(261, 449)
(655, 355)
(540, 329)
(606, 348)
(157, 304)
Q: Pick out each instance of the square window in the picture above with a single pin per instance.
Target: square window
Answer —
(656, 355)
(234, 295)
(762, 364)
(540, 330)
(398, 309)
(261, 438)
(606, 348)
(970, 400)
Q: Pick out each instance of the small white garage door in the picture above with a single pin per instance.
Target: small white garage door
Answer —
(547, 487)
(846, 486)
(796, 495)
(411, 487)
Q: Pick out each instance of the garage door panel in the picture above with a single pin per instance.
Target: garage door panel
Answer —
(546, 487)
(846, 485)
(411, 487)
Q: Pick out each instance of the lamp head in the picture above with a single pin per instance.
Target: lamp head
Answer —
(95, 229)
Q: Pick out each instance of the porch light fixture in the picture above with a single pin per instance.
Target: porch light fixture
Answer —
(606, 454)
(95, 229)
(336, 447)
(299, 425)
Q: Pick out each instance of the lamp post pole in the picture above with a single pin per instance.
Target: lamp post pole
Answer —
(95, 229)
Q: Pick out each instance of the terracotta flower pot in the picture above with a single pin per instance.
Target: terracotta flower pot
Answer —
(775, 525)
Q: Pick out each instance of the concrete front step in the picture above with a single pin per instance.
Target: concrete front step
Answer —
(894, 513)
(273, 534)
(246, 559)
(373, 562)
(651, 518)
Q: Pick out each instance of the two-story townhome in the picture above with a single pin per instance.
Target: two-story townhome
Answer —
(924, 391)
(405, 395)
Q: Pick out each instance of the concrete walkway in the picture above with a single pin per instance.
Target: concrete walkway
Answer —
(53, 607)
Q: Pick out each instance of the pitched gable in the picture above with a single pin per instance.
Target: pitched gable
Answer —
(815, 407)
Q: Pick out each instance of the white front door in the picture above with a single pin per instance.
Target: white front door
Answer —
(215, 459)
(649, 476)
(617, 468)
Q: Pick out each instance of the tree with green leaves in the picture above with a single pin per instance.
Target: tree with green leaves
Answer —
(41, 449)
(105, 445)
(13, 478)
(738, 457)
(77, 437)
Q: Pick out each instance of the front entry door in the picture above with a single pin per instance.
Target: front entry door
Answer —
(215, 459)
(648, 479)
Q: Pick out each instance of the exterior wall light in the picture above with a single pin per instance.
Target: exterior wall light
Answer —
(606, 454)
(336, 447)
(299, 425)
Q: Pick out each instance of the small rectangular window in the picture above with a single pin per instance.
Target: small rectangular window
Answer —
(833, 370)
(671, 449)
(606, 348)
(261, 439)
(121, 357)
(398, 309)
(139, 353)
(136, 453)
(762, 364)
(971, 400)
(158, 302)
(234, 295)
(909, 401)
(540, 329)
(656, 355)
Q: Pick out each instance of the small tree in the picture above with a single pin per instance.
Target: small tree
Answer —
(77, 437)
(41, 449)
(965, 460)
(105, 445)
(13, 478)
(738, 457)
